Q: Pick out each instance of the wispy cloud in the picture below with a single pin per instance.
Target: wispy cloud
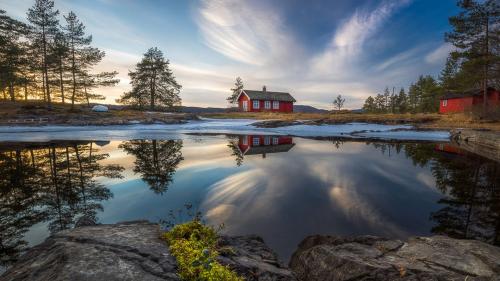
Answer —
(439, 55)
(244, 31)
(345, 48)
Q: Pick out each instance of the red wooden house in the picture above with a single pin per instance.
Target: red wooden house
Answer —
(256, 101)
(257, 144)
(460, 102)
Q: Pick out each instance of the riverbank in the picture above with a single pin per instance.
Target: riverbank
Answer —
(420, 121)
(35, 113)
(134, 251)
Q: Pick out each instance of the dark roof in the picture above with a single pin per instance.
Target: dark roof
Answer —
(267, 95)
(269, 149)
(469, 93)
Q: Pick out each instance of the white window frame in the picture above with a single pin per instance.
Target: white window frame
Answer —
(276, 141)
(245, 105)
(255, 141)
(445, 103)
(267, 140)
(245, 141)
(276, 104)
(256, 102)
(267, 104)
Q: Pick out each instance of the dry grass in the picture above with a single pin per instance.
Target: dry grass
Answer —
(429, 121)
(62, 114)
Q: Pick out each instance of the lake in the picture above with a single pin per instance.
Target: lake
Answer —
(280, 187)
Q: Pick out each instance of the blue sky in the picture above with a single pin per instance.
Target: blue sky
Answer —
(313, 49)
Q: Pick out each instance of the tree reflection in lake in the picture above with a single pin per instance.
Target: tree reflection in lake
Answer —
(53, 183)
(470, 183)
(155, 160)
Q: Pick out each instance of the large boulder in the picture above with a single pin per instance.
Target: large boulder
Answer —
(125, 251)
(100, 108)
(373, 258)
(251, 258)
(133, 251)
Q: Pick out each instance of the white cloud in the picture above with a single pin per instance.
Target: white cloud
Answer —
(342, 55)
(439, 55)
(243, 31)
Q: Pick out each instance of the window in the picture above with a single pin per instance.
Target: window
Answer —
(267, 104)
(256, 104)
(245, 141)
(445, 102)
(245, 105)
(267, 140)
(256, 141)
(276, 104)
(275, 141)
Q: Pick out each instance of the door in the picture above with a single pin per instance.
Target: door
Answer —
(245, 105)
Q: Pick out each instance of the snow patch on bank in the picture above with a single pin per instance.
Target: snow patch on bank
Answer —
(214, 126)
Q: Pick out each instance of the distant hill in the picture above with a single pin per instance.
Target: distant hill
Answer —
(296, 108)
(308, 109)
(198, 110)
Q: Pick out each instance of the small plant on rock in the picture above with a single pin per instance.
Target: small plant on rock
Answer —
(194, 245)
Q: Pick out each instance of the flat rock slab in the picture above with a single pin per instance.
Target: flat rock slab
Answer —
(134, 251)
(373, 258)
(251, 258)
(125, 251)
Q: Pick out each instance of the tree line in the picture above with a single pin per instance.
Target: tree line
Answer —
(53, 60)
(474, 63)
(49, 59)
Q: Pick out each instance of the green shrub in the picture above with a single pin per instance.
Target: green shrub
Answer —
(194, 246)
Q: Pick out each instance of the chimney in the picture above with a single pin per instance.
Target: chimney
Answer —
(264, 89)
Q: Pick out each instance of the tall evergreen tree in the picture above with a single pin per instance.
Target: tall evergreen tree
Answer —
(369, 105)
(476, 35)
(78, 43)
(12, 59)
(60, 54)
(43, 18)
(402, 101)
(153, 83)
(235, 92)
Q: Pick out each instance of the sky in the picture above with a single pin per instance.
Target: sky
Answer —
(313, 49)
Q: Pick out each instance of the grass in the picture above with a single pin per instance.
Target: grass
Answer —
(420, 120)
(63, 114)
(194, 245)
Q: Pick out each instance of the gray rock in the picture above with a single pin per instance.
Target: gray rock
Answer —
(133, 251)
(251, 258)
(373, 258)
(126, 251)
(100, 108)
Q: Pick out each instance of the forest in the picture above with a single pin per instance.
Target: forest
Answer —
(51, 58)
(474, 63)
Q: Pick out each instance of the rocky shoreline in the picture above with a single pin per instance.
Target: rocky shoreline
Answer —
(134, 251)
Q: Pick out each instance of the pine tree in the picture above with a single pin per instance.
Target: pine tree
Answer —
(448, 77)
(235, 92)
(153, 83)
(380, 103)
(12, 59)
(78, 44)
(43, 19)
(59, 56)
(386, 99)
(476, 35)
(369, 105)
(402, 101)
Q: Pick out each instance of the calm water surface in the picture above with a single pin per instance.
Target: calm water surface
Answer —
(279, 187)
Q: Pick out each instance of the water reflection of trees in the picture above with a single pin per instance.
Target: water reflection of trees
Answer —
(54, 183)
(470, 184)
(155, 160)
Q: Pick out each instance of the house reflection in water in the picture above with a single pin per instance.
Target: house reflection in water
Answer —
(258, 144)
